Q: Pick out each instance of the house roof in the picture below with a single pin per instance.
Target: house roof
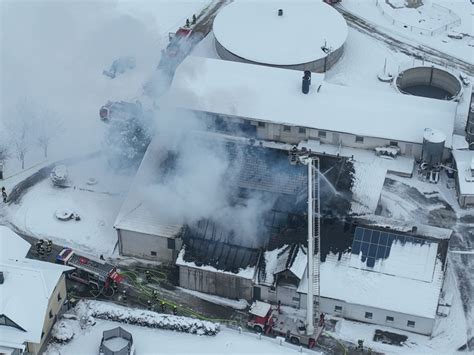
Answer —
(465, 166)
(274, 95)
(25, 308)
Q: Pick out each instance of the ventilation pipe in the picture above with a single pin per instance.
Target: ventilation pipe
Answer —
(306, 82)
(280, 12)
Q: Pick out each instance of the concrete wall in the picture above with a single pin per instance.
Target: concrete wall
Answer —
(316, 66)
(215, 283)
(55, 305)
(379, 316)
(145, 246)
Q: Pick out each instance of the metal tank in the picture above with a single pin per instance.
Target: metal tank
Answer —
(433, 147)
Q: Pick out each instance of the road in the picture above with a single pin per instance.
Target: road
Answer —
(406, 46)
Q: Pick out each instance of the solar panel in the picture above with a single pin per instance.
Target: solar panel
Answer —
(372, 244)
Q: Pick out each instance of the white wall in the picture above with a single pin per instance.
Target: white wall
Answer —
(357, 312)
(142, 245)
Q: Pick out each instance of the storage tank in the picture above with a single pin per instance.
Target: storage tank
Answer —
(433, 146)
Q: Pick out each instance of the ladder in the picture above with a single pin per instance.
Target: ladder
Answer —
(317, 241)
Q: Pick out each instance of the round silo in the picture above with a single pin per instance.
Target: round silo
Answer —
(433, 146)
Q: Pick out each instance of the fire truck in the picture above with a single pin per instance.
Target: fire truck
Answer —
(265, 319)
(88, 271)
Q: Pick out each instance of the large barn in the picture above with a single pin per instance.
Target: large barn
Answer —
(268, 103)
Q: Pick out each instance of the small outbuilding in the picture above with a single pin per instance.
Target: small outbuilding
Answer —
(116, 341)
(464, 161)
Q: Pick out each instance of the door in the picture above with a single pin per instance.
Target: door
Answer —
(409, 149)
(256, 293)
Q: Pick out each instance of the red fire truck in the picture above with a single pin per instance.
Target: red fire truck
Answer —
(87, 270)
(265, 319)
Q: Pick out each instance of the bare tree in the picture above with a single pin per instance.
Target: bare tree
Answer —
(19, 130)
(48, 126)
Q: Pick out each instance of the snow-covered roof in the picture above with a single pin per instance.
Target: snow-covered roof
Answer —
(465, 166)
(260, 309)
(274, 95)
(295, 37)
(293, 259)
(138, 212)
(25, 308)
(247, 273)
(11, 245)
(408, 281)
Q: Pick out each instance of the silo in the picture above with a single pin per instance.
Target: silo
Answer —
(433, 146)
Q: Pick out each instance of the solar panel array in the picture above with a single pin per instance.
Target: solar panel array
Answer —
(375, 244)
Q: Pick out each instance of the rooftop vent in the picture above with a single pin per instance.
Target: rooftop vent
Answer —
(414, 229)
(2, 279)
(280, 12)
(306, 82)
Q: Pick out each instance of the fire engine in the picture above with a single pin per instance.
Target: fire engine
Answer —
(88, 271)
(263, 318)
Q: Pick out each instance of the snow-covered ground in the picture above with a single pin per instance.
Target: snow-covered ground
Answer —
(427, 18)
(97, 205)
(88, 334)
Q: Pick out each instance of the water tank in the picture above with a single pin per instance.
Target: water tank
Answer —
(433, 146)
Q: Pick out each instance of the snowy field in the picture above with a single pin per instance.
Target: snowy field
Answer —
(97, 205)
(428, 17)
(86, 332)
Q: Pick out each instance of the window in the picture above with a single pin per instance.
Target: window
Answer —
(171, 243)
(322, 134)
(394, 143)
(153, 253)
(302, 130)
(389, 319)
(59, 297)
(368, 315)
(411, 324)
(359, 139)
(261, 124)
(4, 320)
(286, 129)
(50, 314)
(337, 308)
(296, 298)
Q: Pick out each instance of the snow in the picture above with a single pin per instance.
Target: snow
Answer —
(421, 18)
(139, 213)
(274, 95)
(298, 265)
(96, 205)
(25, 308)
(367, 187)
(87, 337)
(247, 273)
(434, 135)
(236, 304)
(116, 343)
(294, 38)
(408, 267)
(260, 309)
(465, 166)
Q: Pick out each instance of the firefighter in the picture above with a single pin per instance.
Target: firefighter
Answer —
(38, 247)
(155, 295)
(124, 295)
(148, 304)
(102, 257)
(175, 310)
(49, 246)
(163, 306)
(41, 251)
(321, 319)
(360, 344)
(148, 275)
(187, 22)
(4, 194)
(114, 286)
(194, 19)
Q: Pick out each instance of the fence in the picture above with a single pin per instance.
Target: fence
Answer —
(423, 31)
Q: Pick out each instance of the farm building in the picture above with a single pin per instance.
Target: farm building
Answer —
(364, 265)
(26, 317)
(291, 35)
(140, 230)
(269, 104)
(464, 162)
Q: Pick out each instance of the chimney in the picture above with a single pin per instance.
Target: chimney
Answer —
(414, 229)
(280, 12)
(306, 82)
